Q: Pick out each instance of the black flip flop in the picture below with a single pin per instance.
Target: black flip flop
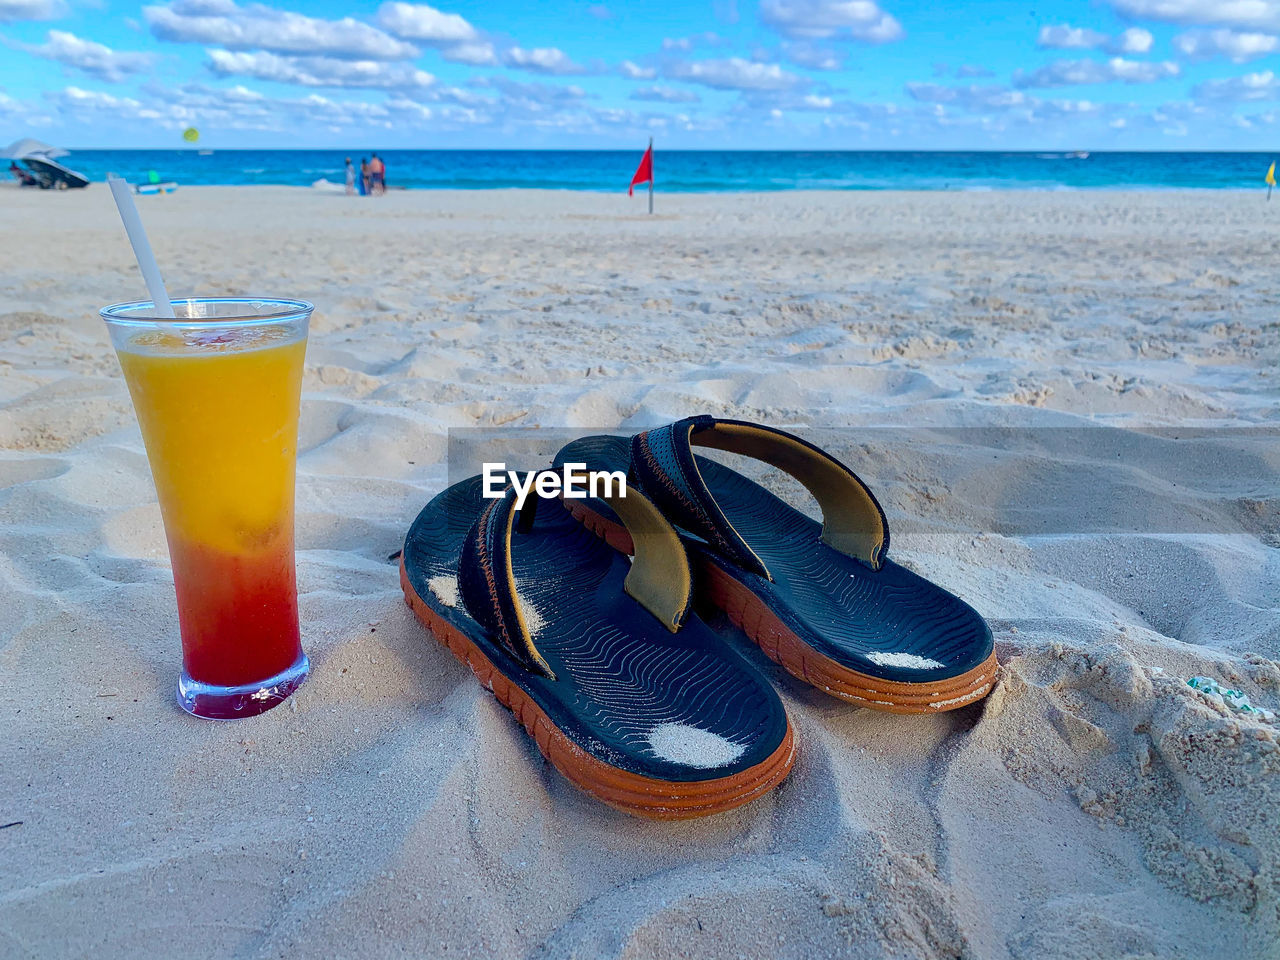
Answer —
(823, 600)
(628, 694)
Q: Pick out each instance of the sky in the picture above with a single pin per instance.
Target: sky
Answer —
(734, 74)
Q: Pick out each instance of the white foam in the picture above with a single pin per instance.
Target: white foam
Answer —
(209, 340)
(693, 746)
(908, 661)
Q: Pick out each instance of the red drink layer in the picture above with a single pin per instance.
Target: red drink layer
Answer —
(238, 612)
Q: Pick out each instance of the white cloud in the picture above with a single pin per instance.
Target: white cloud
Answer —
(932, 92)
(1175, 119)
(537, 93)
(732, 74)
(977, 98)
(827, 19)
(424, 24)
(997, 108)
(788, 101)
(480, 53)
(1242, 14)
(527, 107)
(812, 55)
(554, 108)
(661, 94)
(1238, 47)
(685, 44)
(867, 117)
(460, 42)
(319, 71)
(93, 58)
(14, 10)
(235, 109)
(541, 60)
(1265, 119)
(1137, 71)
(1069, 107)
(1061, 73)
(241, 94)
(1063, 36)
(1263, 85)
(78, 97)
(633, 71)
(458, 95)
(1133, 40)
(258, 27)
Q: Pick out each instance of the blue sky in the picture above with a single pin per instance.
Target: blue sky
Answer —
(834, 74)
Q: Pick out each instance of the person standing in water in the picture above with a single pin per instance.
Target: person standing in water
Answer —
(363, 182)
(351, 178)
(377, 175)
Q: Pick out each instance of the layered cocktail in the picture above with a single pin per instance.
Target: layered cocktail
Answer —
(217, 392)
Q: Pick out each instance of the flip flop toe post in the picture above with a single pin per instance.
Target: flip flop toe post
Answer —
(631, 697)
(823, 600)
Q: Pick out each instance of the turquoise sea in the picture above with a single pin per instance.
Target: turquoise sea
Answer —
(696, 170)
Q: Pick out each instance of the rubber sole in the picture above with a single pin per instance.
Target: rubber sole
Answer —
(621, 789)
(753, 617)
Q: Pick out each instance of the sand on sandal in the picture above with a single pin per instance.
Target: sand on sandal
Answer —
(1067, 403)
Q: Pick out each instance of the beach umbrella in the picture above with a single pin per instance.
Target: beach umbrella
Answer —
(27, 147)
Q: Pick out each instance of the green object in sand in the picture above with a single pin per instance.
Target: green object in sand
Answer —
(1235, 699)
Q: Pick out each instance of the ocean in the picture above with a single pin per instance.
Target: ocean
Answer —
(696, 170)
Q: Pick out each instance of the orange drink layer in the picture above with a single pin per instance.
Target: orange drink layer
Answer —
(218, 409)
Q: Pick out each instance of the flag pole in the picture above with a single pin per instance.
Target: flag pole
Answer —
(651, 176)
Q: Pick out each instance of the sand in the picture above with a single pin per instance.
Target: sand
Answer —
(1066, 401)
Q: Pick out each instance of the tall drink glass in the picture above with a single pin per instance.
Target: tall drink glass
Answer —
(217, 392)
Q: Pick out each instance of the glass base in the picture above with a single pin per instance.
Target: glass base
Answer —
(234, 703)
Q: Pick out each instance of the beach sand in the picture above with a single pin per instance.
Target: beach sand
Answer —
(1067, 403)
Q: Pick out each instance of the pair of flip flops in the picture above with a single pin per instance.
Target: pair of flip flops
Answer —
(579, 620)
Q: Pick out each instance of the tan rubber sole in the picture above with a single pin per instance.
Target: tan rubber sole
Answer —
(753, 617)
(626, 791)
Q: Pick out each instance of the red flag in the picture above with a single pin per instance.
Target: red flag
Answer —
(644, 172)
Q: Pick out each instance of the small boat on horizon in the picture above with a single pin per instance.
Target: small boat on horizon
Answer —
(1079, 155)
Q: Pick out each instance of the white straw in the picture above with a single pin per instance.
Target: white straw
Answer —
(123, 195)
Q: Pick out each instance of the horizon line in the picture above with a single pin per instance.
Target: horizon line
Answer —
(194, 148)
